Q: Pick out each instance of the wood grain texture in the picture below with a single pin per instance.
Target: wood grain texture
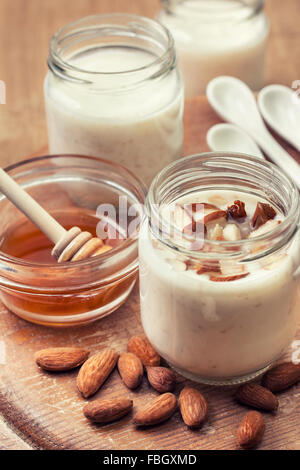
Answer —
(10, 440)
(46, 408)
(43, 410)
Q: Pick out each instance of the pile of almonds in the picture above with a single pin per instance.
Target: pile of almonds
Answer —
(193, 406)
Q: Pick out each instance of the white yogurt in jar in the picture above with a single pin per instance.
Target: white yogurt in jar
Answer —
(219, 331)
(123, 112)
(217, 37)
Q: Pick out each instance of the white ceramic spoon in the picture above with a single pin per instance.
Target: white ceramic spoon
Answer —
(280, 108)
(233, 100)
(230, 138)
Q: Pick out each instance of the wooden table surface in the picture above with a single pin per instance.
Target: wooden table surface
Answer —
(25, 29)
(27, 25)
(44, 410)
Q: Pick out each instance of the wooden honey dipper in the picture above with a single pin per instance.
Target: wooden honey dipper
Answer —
(69, 245)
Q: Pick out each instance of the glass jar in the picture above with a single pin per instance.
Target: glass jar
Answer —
(220, 332)
(217, 37)
(114, 91)
(71, 189)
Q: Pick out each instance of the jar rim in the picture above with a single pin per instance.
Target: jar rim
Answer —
(93, 24)
(92, 261)
(282, 233)
(255, 6)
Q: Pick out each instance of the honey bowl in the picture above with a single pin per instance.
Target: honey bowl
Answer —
(93, 194)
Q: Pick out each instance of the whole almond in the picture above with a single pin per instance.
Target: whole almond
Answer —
(282, 376)
(257, 396)
(106, 411)
(95, 371)
(142, 348)
(193, 407)
(131, 370)
(162, 379)
(251, 430)
(157, 411)
(59, 359)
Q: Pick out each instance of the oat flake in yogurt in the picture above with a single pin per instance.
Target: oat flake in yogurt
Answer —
(223, 311)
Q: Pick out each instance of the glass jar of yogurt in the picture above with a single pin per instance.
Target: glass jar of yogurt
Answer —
(219, 266)
(113, 90)
(217, 37)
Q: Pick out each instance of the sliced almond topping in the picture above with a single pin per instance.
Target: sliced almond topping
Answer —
(232, 233)
(209, 266)
(227, 278)
(217, 199)
(262, 214)
(219, 217)
(198, 210)
(266, 227)
(195, 228)
(198, 206)
(191, 265)
(237, 210)
(181, 216)
(231, 267)
(207, 205)
(215, 232)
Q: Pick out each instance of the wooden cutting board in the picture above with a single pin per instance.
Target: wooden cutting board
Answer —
(44, 410)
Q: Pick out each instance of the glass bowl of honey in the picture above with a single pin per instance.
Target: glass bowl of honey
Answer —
(94, 194)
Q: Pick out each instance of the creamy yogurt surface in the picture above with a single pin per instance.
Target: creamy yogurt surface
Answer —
(138, 125)
(230, 319)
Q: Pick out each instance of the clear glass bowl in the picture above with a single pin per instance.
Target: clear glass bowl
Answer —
(75, 293)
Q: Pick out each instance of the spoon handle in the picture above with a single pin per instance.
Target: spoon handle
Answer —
(279, 156)
(23, 201)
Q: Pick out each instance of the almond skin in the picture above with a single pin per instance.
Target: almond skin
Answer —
(161, 379)
(196, 206)
(193, 407)
(212, 216)
(106, 411)
(235, 277)
(60, 359)
(209, 267)
(281, 377)
(142, 348)
(237, 210)
(95, 371)
(131, 370)
(251, 430)
(262, 214)
(158, 410)
(257, 396)
(195, 227)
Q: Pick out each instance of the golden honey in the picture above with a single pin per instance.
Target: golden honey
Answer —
(74, 189)
(26, 242)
